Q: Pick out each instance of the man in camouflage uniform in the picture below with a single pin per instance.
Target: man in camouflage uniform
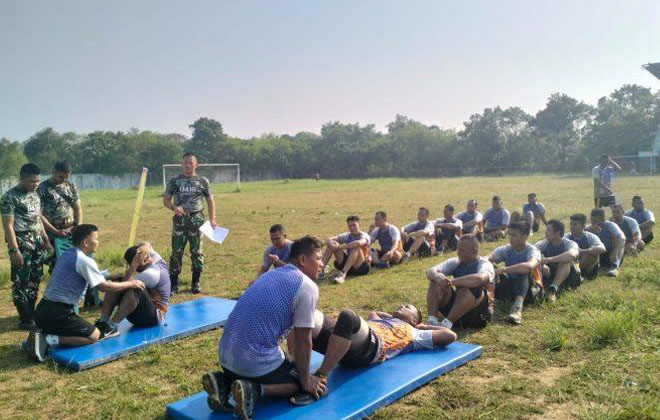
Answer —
(27, 242)
(188, 190)
(60, 205)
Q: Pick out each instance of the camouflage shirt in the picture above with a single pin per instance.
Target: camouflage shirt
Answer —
(25, 207)
(188, 192)
(57, 201)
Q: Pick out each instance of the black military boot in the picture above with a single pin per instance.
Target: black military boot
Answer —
(174, 284)
(196, 289)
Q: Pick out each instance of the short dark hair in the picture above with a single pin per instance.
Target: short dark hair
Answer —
(419, 314)
(598, 212)
(496, 198)
(62, 167)
(424, 209)
(352, 218)
(81, 232)
(277, 228)
(531, 195)
(474, 200)
(130, 253)
(449, 207)
(381, 214)
(304, 246)
(29, 169)
(520, 227)
(636, 197)
(579, 217)
(557, 226)
(186, 154)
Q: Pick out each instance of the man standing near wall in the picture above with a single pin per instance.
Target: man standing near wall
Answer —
(188, 189)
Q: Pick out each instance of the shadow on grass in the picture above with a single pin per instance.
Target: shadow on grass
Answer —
(13, 358)
(9, 324)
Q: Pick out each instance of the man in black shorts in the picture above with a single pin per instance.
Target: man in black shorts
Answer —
(57, 323)
(559, 258)
(352, 342)
(462, 300)
(142, 308)
(351, 251)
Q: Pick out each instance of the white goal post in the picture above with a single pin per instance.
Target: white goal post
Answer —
(215, 172)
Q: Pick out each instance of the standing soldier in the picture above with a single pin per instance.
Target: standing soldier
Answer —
(60, 205)
(27, 242)
(188, 207)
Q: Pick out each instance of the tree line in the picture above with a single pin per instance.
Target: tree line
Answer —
(565, 134)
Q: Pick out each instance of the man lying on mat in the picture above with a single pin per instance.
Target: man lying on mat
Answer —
(57, 323)
(281, 302)
(352, 342)
(143, 308)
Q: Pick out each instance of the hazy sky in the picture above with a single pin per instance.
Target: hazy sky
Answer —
(288, 66)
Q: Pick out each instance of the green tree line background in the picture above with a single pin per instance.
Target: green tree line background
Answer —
(565, 135)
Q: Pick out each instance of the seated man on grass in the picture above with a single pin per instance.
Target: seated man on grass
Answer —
(533, 212)
(472, 220)
(277, 254)
(448, 230)
(419, 237)
(559, 256)
(630, 228)
(520, 278)
(352, 342)
(281, 303)
(142, 308)
(590, 246)
(457, 292)
(497, 220)
(57, 323)
(645, 218)
(611, 235)
(351, 251)
(389, 240)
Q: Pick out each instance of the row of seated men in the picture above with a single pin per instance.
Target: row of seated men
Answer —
(460, 293)
(354, 252)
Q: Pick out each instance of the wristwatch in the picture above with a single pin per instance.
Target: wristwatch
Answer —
(12, 250)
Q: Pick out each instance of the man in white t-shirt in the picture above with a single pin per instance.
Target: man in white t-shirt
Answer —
(630, 228)
(57, 322)
(448, 230)
(350, 250)
(389, 241)
(279, 305)
(496, 219)
(277, 254)
(611, 235)
(558, 262)
(590, 246)
(645, 218)
(533, 212)
(419, 237)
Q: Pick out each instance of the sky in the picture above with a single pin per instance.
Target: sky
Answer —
(290, 66)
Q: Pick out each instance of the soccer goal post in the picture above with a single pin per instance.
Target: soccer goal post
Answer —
(217, 173)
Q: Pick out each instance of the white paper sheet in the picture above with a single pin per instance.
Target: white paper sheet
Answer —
(216, 235)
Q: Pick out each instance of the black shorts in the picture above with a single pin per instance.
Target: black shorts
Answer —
(362, 349)
(286, 373)
(423, 251)
(145, 313)
(605, 201)
(604, 261)
(506, 288)
(452, 241)
(59, 319)
(573, 280)
(360, 271)
(535, 226)
(477, 317)
(648, 238)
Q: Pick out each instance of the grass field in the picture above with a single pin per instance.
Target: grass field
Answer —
(595, 355)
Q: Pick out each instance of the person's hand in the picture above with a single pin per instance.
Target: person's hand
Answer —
(499, 271)
(543, 261)
(315, 386)
(273, 259)
(60, 233)
(214, 223)
(388, 254)
(137, 284)
(17, 259)
(179, 211)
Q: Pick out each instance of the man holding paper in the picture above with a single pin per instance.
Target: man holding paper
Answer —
(188, 190)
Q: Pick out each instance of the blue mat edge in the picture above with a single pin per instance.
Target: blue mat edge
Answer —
(393, 396)
(77, 366)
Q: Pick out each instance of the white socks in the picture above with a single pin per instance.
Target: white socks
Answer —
(446, 323)
(52, 340)
(431, 320)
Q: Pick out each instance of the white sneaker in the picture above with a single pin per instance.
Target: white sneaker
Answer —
(612, 272)
(431, 320)
(37, 348)
(340, 278)
(515, 317)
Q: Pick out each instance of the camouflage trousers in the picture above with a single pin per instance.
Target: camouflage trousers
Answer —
(26, 280)
(185, 229)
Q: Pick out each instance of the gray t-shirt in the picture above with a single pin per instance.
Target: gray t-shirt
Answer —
(549, 250)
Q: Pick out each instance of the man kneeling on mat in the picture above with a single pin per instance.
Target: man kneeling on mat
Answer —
(520, 278)
(281, 302)
(462, 300)
(352, 342)
(143, 308)
(57, 323)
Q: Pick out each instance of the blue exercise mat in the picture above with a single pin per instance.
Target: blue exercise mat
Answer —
(181, 320)
(354, 394)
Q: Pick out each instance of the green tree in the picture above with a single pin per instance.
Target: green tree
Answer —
(47, 147)
(11, 158)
